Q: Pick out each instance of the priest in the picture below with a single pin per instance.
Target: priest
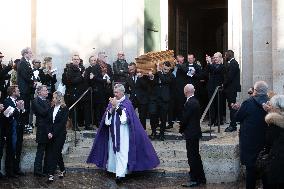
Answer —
(121, 144)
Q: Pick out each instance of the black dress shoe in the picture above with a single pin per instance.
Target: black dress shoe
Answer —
(169, 127)
(231, 129)
(153, 136)
(12, 176)
(1, 175)
(118, 180)
(89, 128)
(39, 174)
(76, 129)
(20, 173)
(191, 184)
(162, 138)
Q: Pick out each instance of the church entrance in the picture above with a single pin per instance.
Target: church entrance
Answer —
(198, 26)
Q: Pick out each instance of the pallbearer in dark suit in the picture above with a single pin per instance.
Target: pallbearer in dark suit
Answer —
(14, 110)
(57, 134)
(41, 107)
(190, 126)
(231, 87)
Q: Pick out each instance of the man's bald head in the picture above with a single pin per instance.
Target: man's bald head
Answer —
(188, 90)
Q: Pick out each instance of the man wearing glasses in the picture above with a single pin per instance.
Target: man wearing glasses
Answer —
(120, 68)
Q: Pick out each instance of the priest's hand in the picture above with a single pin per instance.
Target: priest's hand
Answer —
(49, 136)
(113, 102)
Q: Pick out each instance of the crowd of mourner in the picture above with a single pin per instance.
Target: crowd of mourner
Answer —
(179, 94)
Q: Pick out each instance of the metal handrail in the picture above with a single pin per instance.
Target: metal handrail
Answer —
(90, 88)
(217, 89)
(75, 112)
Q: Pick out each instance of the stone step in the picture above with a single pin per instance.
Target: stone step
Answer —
(75, 158)
(162, 154)
(175, 163)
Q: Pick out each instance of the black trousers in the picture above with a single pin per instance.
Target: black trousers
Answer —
(194, 161)
(161, 115)
(55, 154)
(10, 160)
(99, 109)
(232, 99)
(19, 145)
(2, 140)
(41, 154)
(27, 100)
(213, 111)
(251, 178)
(143, 110)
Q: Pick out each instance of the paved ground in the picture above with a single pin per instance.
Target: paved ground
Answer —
(100, 179)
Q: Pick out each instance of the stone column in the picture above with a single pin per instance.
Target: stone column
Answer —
(278, 45)
(262, 41)
(247, 41)
(235, 30)
(164, 24)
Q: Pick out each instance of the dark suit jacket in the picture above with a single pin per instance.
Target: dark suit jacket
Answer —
(252, 128)
(24, 76)
(163, 82)
(232, 79)
(216, 76)
(4, 76)
(41, 109)
(119, 76)
(190, 124)
(16, 116)
(58, 127)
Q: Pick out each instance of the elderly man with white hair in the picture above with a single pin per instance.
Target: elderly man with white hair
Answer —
(251, 116)
(121, 144)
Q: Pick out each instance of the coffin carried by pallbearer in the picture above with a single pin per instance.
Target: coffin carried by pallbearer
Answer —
(148, 61)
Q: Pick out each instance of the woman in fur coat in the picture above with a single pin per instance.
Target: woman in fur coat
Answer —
(275, 139)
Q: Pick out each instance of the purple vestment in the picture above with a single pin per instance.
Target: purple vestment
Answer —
(141, 155)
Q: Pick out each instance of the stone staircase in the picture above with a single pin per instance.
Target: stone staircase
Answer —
(220, 155)
(172, 153)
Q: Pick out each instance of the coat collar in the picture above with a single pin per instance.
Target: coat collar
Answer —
(276, 119)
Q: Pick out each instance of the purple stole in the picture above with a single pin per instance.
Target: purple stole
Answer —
(116, 148)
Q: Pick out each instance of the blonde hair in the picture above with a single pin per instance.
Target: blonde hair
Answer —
(60, 98)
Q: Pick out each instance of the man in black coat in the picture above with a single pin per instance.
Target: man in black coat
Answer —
(76, 83)
(190, 127)
(137, 87)
(130, 85)
(231, 87)
(120, 68)
(41, 108)
(216, 71)
(187, 73)
(25, 82)
(181, 81)
(4, 77)
(251, 115)
(14, 110)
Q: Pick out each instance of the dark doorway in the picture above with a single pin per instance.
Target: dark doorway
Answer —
(198, 26)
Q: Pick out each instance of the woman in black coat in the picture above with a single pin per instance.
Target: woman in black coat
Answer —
(275, 140)
(57, 134)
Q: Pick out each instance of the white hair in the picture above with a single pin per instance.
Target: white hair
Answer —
(119, 87)
(277, 101)
(25, 51)
(261, 87)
